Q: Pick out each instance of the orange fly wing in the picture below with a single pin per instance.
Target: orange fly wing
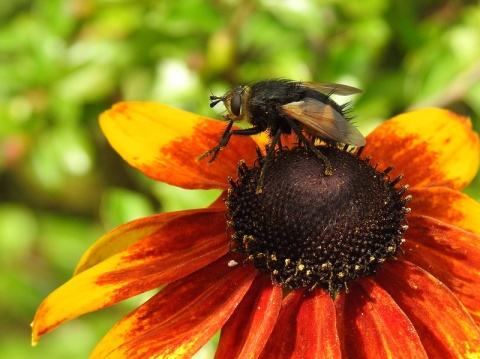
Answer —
(323, 121)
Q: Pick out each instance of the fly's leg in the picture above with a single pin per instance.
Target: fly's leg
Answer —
(311, 146)
(267, 159)
(226, 137)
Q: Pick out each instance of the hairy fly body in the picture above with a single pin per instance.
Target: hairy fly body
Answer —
(282, 107)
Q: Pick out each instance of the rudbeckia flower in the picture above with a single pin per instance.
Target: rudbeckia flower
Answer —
(315, 266)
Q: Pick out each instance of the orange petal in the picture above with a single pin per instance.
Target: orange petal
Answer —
(180, 319)
(450, 254)
(446, 205)
(175, 250)
(160, 225)
(305, 329)
(163, 143)
(443, 324)
(373, 326)
(432, 147)
(246, 332)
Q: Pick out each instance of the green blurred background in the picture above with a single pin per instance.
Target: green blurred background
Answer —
(64, 62)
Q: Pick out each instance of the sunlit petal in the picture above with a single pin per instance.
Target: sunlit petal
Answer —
(180, 319)
(166, 226)
(446, 205)
(247, 330)
(172, 252)
(373, 326)
(163, 143)
(451, 254)
(443, 324)
(306, 328)
(432, 147)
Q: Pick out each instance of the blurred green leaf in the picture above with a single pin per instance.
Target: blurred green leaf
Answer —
(120, 206)
(63, 62)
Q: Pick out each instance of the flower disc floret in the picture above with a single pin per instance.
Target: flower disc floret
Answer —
(307, 229)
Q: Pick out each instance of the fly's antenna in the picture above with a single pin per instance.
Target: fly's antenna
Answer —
(214, 100)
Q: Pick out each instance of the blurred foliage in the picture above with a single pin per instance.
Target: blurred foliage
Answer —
(62, 62)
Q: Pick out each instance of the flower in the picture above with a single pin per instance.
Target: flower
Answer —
(423, 304)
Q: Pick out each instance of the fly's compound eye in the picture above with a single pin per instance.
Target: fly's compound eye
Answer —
(236, 104)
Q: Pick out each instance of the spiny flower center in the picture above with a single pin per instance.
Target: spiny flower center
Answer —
(307, 229)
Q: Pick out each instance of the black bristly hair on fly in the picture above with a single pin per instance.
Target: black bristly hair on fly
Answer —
(282, 106)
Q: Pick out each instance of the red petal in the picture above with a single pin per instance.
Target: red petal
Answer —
(163, 143)
(373, 326)
(160, 225)
(306, 328)
(247, 330)
(449, 253)
(180, 319)
(178, 248)
(446, 205)
(432, 147)
(444, 326)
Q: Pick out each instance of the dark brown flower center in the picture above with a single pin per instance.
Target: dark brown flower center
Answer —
(311, 230)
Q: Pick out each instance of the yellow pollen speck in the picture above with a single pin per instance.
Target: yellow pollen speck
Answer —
(300, 267)
(275, 272)
(341, 275)
(287, 261)
(371, 259)
(273, 257)
(357, 267)
(248, 239)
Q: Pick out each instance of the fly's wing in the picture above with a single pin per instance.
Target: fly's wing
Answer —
(322, 120)
(331, 89)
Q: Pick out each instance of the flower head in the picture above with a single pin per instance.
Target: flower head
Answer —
(229, 273)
